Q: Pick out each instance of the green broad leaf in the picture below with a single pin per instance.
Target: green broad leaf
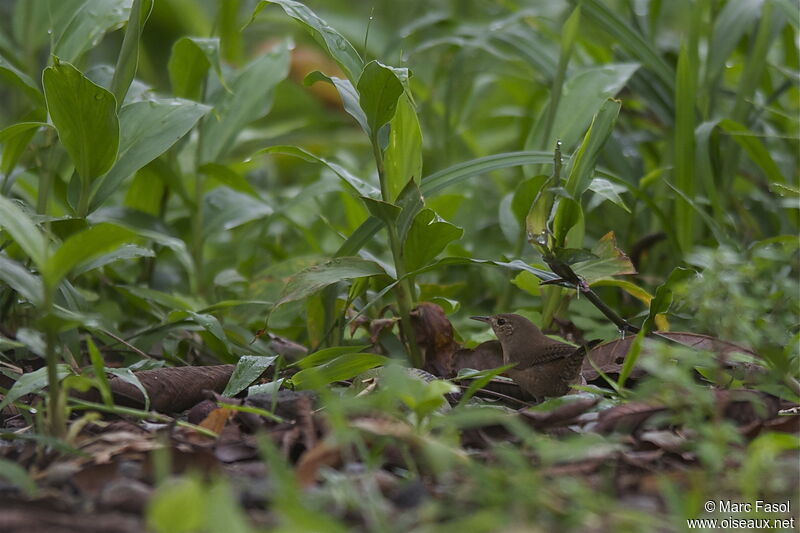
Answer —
(428, 236)
(248, 369)
(83, 247)
(11, 75)
(348, 94)
(189, 63)
(19, 278)
(266, 388)
(88, 24)
(384, 211)
(340, 368)
(249, 98)
(327, 354)
(634, 290)
(128, 59)
(15, 222)
(581, 97)
(15, 139)
(584, 160)
(379, 89)
(568, 217)
(319, 276)
(607, 190)
(85, 116)
(609, 261)
(663, 298)
(33, 382)
(209, 322)
(336, 45)
(179, 505)
(402, 160)
(358, 186)
(127, 251)
(528, 283)
(148, 129)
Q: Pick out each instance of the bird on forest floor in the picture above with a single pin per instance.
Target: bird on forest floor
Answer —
(544, 367)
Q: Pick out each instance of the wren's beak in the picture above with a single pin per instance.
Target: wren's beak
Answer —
(486, 319)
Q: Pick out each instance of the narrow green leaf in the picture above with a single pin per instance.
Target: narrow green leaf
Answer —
(754, 148)
(128, 376)
(359, 186)
(584, 160)
(17, 476)
(630, 359)
(99, 367)
(684, 146)
(85, 116)
(327, 354)
(128, 59)
(603, 16)
(337, 46)
(428, 236)
(248, 369)
(16, 223)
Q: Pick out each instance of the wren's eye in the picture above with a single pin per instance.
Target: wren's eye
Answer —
(501, 321)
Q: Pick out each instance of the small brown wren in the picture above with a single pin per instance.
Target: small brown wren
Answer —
(544, 367)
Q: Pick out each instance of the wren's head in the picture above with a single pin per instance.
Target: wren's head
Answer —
(509, 327)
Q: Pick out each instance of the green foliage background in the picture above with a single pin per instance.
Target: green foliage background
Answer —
(171, 169)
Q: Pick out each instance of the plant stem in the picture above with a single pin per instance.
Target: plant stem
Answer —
(404, 292)
(83, 201)
(57, 421)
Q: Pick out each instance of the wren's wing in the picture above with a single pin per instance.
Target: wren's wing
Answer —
(558, 351)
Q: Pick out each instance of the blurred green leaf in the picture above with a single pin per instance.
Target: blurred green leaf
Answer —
(21, 228)
(610, 261)
(19, 278)
(663, 298)
(316, 277)
(336, 45)
(340, 368)
(17, 476)
(249, 98)
(13, 76)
